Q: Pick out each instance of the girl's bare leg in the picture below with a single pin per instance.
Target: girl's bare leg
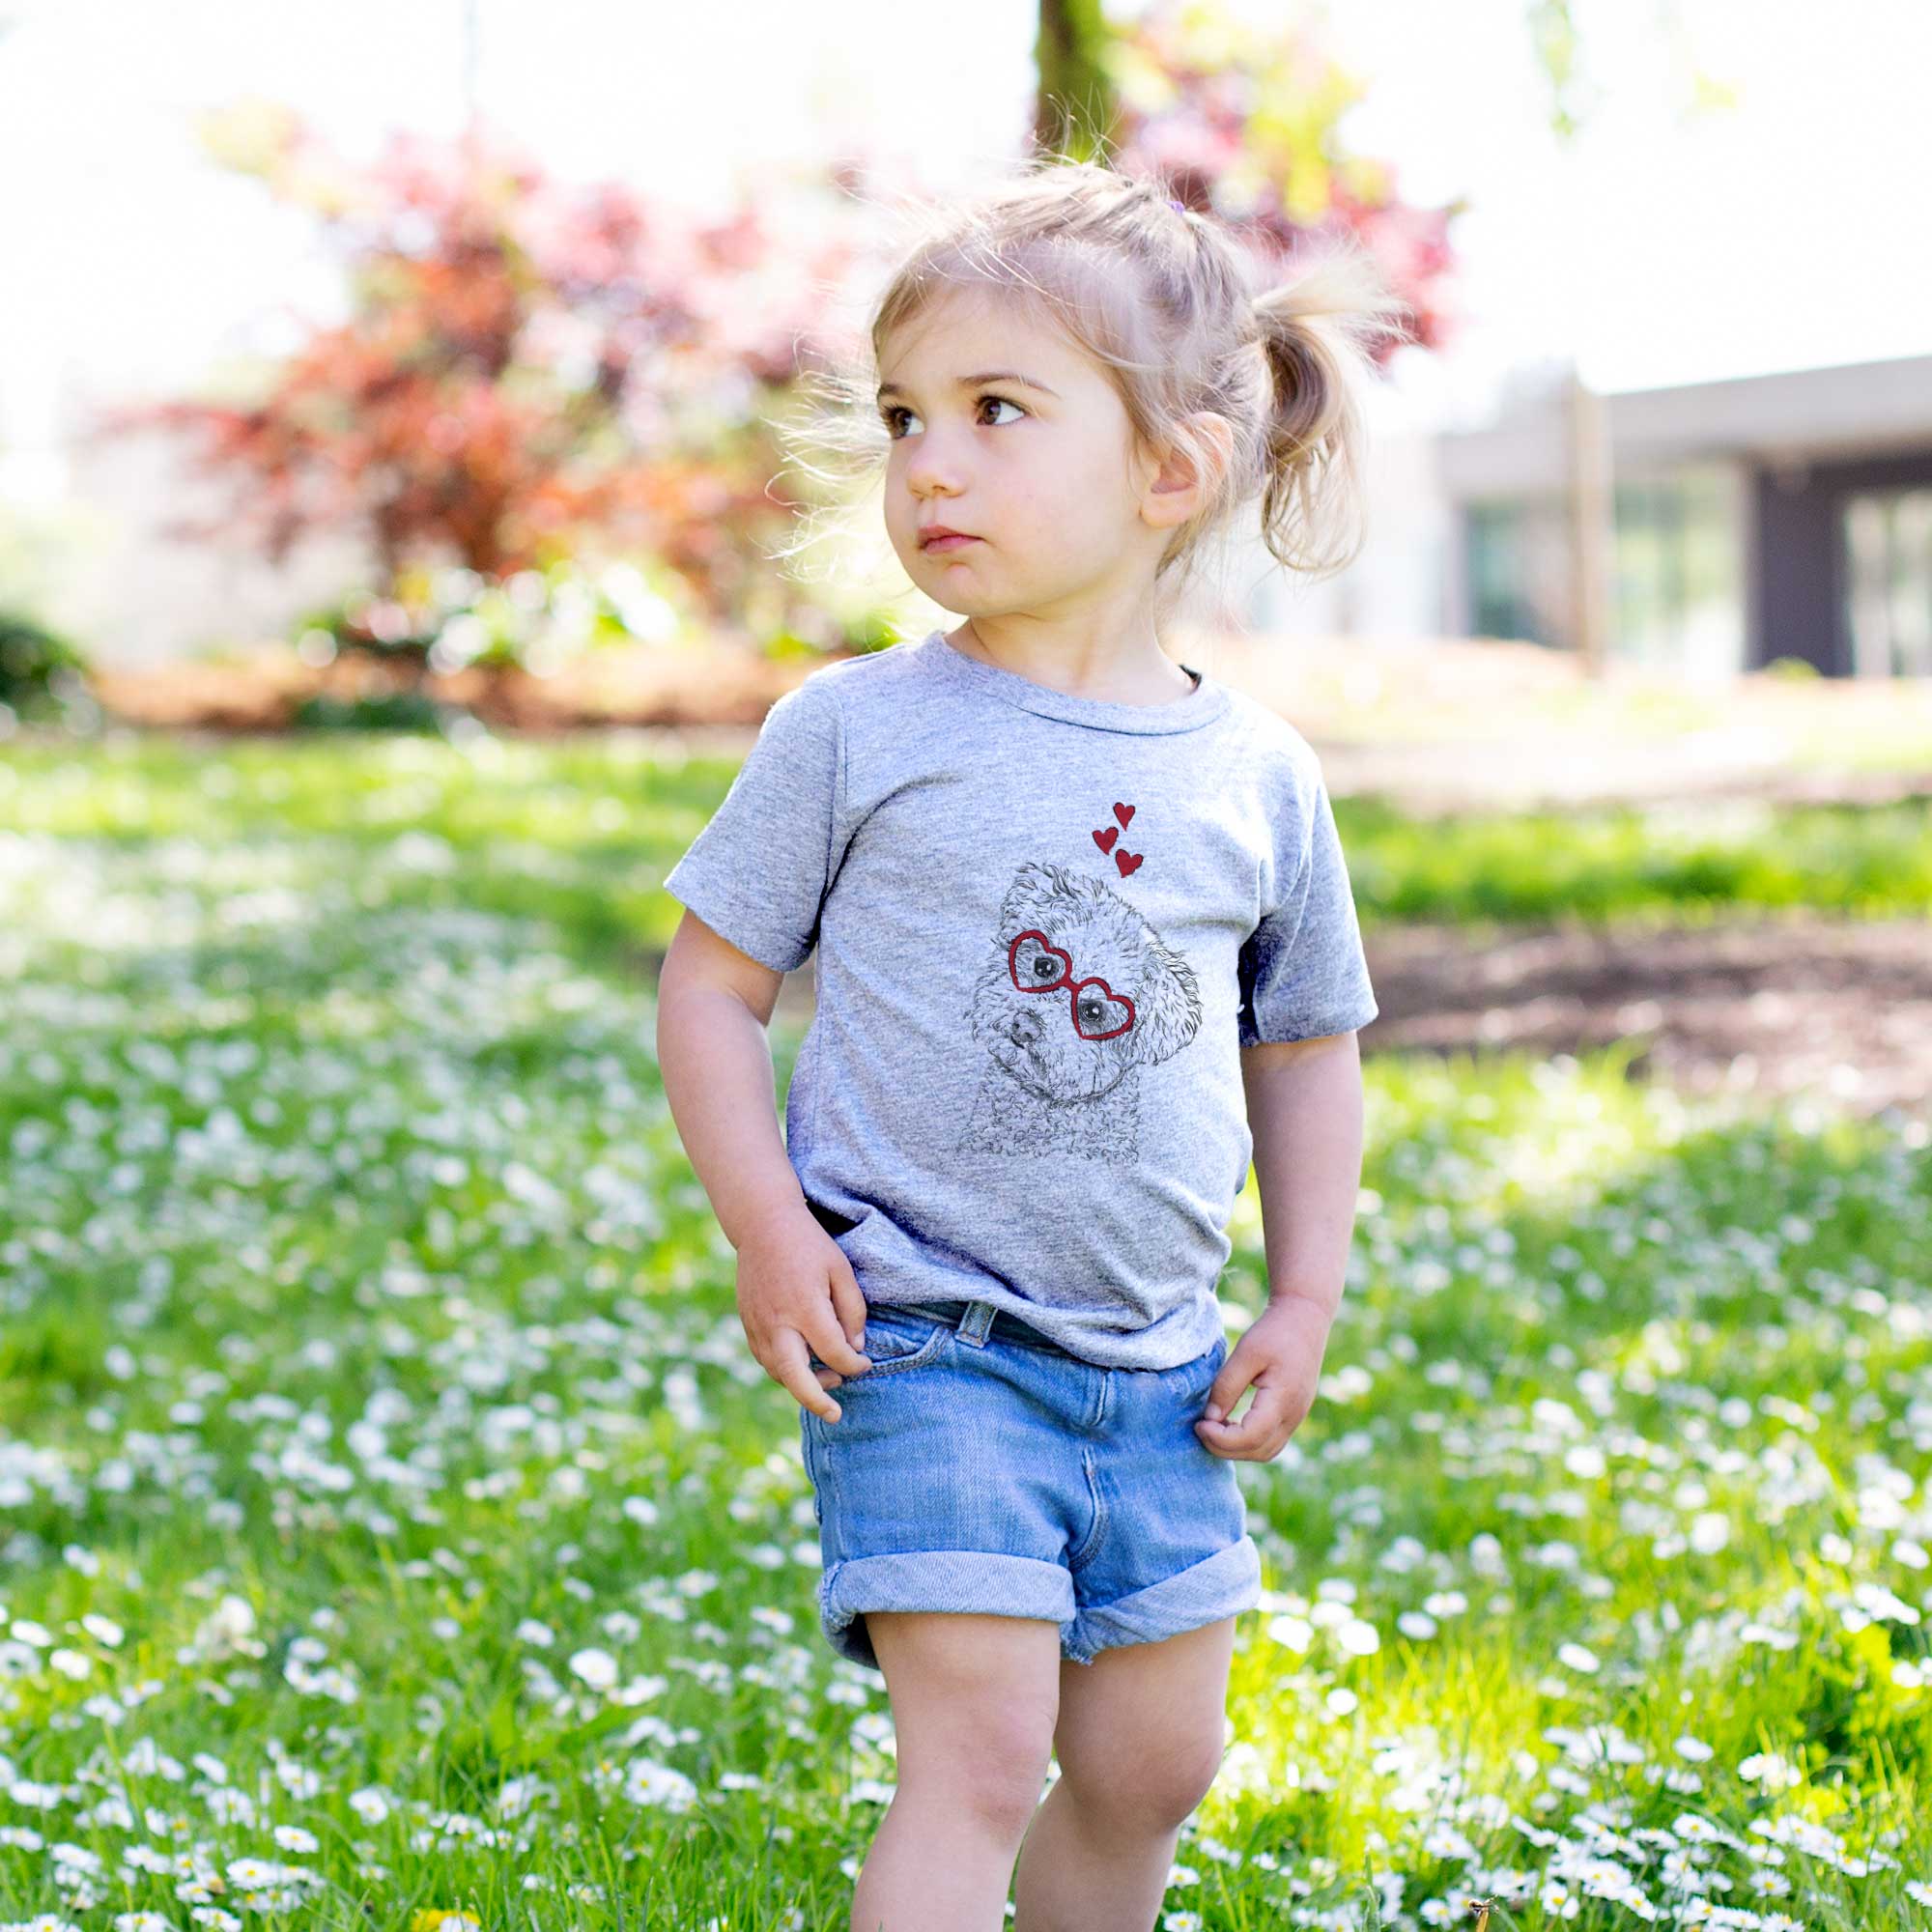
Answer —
(974, 1700)
(1140, 1738)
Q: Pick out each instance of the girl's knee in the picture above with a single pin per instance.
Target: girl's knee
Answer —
(990, 1766)
(975, 1700)
(997, 1793)
(1179, 1789)
(1157, 1790)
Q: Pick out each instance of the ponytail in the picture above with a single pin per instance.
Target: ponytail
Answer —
(1313, 331)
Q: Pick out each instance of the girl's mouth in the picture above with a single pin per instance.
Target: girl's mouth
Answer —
(939, 544)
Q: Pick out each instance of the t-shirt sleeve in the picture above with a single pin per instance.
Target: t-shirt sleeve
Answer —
(758, 871)
(1302, 971)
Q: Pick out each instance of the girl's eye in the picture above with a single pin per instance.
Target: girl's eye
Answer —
(891, 416)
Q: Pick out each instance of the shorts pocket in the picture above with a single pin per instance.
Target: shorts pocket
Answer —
(897, 1341)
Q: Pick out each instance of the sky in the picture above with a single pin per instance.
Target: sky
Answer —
(1775, 236)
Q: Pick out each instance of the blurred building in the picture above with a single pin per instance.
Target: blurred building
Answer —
(1765, 516)
(1782, 516)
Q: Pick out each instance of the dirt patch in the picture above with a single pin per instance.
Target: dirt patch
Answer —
(1773, 1009)
(1838, 1011)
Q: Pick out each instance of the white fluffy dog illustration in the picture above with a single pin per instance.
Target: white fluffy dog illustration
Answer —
(1078, 994)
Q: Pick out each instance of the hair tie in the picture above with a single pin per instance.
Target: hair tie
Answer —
(1172, 203)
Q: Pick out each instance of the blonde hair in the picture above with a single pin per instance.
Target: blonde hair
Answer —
(1182, 315)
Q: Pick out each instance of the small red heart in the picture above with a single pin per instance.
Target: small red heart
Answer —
(1105, 840)
(1123, 812)
(1128, 862)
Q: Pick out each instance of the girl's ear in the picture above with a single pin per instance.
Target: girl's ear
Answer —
(1178, 491)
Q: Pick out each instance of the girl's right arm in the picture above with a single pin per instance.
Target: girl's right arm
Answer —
(796, 1290)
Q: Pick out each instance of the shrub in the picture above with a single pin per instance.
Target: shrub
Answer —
(43, 675)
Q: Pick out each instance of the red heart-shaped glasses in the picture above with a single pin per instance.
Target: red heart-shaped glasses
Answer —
(1039, 966)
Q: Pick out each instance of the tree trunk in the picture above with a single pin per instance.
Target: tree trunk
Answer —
(1074, 110)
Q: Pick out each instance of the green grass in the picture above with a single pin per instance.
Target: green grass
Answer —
(388, 1501)
(579, 833)
(1682, 864)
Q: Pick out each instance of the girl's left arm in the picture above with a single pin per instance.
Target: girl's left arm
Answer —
(1305, 1111)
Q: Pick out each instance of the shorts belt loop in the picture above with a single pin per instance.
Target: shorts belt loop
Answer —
(976, 1322)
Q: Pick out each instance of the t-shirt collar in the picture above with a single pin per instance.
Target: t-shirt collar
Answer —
(1206, 702)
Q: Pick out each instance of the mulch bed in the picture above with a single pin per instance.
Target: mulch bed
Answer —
(1771, 1010)
(259, 691)
(1833, 1009)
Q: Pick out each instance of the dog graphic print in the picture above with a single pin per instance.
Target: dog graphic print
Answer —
(1078, 993)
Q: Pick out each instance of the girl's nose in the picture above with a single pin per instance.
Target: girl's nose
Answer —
(931, 465)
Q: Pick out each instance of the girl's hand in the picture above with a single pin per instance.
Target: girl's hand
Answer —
(798, 1297)
(1281, 1356)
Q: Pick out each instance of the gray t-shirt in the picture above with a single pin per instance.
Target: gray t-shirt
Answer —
(1045, 927)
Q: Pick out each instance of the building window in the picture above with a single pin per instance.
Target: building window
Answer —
(1517, 558)
(1886, 542)
(1678, 591)
(1678, 594)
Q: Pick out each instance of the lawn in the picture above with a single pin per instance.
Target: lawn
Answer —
(393, 1522)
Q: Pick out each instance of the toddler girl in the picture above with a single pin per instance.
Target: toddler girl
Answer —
(1083, 948)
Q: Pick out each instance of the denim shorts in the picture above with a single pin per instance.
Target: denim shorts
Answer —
(980, 1466)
